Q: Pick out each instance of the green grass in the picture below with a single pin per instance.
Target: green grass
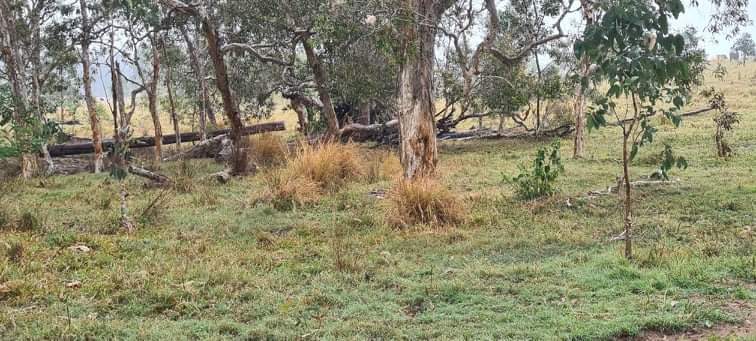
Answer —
(215, 262)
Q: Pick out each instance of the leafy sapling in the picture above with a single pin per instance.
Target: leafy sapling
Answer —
(648, 70)
(540, 180)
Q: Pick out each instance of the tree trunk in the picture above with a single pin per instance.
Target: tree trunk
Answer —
(11, 55)
(174, 116)
(152, 99)
(36, 88)
(321, 83)
(199, 72)
(585, 65)
(419, 153)
(298, 106)
(114, 87)
(628, 216)
(364, 113)
(538, 93)
(579, 123)
(239, 166)
(94, 121)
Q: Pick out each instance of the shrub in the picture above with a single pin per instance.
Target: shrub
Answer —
(423, 201)
(540, 181)
(382, 166)
(268, 150)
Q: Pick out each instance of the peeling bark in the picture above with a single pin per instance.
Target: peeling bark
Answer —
(419, 152)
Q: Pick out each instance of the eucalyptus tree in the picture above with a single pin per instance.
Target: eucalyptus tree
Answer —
(88, 33)
(143, 46)
(208, 24)
(646, 64)
(36, 61)
(727, 15)
(745, 47)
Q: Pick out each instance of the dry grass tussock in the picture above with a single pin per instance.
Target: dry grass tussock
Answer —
(268, 150)
(423, 201)
(313, 171)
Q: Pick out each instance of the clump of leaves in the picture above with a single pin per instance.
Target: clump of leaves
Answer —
(423, 201)
(725, 120)
(669, 161)
(539, 181)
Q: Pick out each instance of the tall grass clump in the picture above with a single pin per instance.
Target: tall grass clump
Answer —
(268, 150)
(423, 201)
(313, 171)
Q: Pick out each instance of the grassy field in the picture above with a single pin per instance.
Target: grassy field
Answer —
(211, 261)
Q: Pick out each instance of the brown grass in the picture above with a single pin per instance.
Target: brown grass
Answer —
(268, 150)
(287, 190)
(423, 202)
(313, 171)
(329, 165)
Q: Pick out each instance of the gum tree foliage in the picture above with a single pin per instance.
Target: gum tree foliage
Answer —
(36, 62)
(744, 47)
(645, 65)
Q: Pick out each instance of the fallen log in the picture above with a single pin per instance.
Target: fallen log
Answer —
(562, 131)
(372, 132)
(208, 149)
(58, 150)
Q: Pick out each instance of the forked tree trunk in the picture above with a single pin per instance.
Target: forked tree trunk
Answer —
(321, 83)
(94, 120)
(419, 153)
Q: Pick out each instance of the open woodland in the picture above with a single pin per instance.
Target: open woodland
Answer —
(375, 169)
